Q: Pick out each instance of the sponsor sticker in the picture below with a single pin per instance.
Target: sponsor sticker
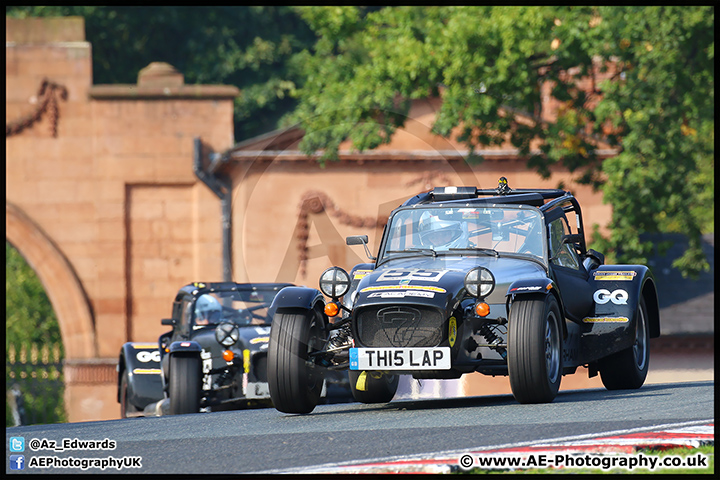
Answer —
(388, 295)
(146, 356)
(206, 367)
(605, 320)
(519, 289)
(612, 275)
(409, 293)
(146, 371)
(360, 274)
(618, 297)
(246, 360)
(260, 340)
(403, 287)
(452, 331)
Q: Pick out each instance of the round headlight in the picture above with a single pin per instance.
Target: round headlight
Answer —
(227, 334)
(479, 282)
(334, 282)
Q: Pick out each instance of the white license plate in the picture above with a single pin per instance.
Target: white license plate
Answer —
(400, 358)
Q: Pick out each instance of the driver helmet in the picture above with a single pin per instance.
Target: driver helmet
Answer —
(207, 309)
(442, 234)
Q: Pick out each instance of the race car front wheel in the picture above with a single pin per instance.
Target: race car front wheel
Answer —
(373, 387)
(295, 383)
(628, 368)
(534, 349)
(127, 409)
(185, 384)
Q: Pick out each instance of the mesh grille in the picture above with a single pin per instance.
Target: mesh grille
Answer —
(399, 326)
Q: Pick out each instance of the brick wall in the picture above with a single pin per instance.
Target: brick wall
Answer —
(108, 182)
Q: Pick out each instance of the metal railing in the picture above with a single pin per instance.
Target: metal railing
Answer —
(34, 384)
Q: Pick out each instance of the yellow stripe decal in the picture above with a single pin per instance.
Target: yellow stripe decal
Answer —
(605, 319)
(404, 287)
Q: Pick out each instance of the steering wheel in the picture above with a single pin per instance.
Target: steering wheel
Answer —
(257, 307)
(244, 316)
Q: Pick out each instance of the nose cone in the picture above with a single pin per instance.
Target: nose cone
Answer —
(404, 282)
(438, 280)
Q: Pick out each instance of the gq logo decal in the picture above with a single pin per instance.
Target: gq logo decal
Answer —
(146, 356)
(618, 297)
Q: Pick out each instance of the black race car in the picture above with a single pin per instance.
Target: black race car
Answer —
(214, 357)
(497, 281)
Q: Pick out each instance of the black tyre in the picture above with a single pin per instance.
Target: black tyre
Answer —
(628, 368)
(127, 409)
(295, 383)
(379, 387)
(534, 349)
(185, 384)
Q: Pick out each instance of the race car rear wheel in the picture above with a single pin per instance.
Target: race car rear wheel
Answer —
(628, 368)
(378, 387)
(534, 349)
(295, 383)
(127, 409)
(185, 384)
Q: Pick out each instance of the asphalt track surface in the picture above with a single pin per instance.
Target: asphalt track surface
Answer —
(265, 440)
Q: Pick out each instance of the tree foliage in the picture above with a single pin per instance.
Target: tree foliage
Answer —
(248, 47)
(351, 72)
(29, 316)
(489, 63)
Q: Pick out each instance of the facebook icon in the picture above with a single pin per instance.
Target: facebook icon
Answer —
(17, 462)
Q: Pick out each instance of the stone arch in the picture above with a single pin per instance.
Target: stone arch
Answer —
(59, 279)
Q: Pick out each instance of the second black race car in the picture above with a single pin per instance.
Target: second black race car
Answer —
(214, 357)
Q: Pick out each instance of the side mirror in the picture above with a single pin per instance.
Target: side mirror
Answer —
(593, 260)
(360, 240)
(574, 238)
(357, 240)
(167, 321)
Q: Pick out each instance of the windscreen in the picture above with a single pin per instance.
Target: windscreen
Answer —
(246, 307)
(504, 229)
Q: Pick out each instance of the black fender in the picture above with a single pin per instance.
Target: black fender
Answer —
(356, 274)
(142, 363)
(617, 290)
(298, 298)
(544, 286)
(184, 346)
(649, 292)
